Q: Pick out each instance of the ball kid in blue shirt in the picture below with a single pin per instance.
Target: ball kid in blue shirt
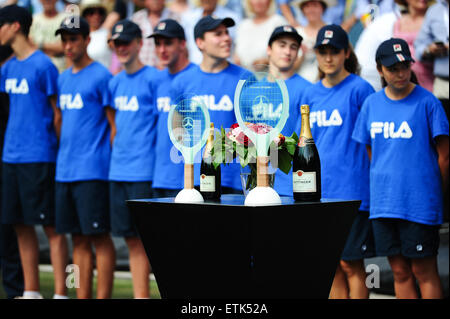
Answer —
(405, 130)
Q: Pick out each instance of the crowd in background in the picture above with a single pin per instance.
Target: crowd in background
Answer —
(422, 24)
(367, 22)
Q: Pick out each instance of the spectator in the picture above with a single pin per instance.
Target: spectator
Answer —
(179, 7)
(147, 19)
(313, 10)
(204, 8)
(368, 10)
(286, 10)
(36, 6)
(253, 33)
(435, 29)
(405, 25)
(333, 15)
(42, 33)
(95, 12)
(121, 9)
(236, 6)
(358, 14)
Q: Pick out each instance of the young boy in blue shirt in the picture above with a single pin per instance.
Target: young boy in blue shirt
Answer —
(82, 193)
(133, 92)
(214, 83)
(405, 131)
(29, 152)
(170, 47)
(282, 51)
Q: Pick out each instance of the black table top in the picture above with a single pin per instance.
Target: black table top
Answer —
(236, 200)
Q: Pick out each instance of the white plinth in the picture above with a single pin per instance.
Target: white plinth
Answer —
(262, 196)
(189, 196)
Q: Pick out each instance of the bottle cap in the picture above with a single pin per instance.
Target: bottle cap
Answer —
(304, 109)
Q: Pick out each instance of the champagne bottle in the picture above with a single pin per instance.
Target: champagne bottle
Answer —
(306, 163)
(210, 178)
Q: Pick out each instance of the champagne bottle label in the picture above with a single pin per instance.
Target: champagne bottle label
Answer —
(207, 183)
(304, 182)
(303, 141)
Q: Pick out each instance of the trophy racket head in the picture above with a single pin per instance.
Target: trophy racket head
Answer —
(188, 125)
(261, 105)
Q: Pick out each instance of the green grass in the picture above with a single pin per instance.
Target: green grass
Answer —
(123, 288)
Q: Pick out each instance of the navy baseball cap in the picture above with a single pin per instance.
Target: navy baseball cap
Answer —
(168, 28)
(74, 25)
(14, 13)
(333, 35)
(209, 23)
(393, 51)
(285, 30)
(125, 30)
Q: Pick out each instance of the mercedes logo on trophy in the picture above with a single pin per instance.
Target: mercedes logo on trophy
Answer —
(188, 126)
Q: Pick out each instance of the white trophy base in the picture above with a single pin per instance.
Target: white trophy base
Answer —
(262, 196)
(189, 196)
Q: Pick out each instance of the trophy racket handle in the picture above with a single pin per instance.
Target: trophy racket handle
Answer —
(262, 171)
(188, 176)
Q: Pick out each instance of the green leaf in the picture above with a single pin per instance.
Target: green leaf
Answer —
(295, 137)
(284, 162)
(291, 149)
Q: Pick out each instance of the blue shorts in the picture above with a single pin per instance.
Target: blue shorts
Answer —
(360, 242)
(402, 237)
(122, 224)
(82, 207)
(28, 193)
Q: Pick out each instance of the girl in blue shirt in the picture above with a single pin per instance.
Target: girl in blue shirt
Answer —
(405, 130)
(335, 102)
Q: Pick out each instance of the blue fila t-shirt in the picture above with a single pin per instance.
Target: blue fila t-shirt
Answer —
(134, 98)
(84, 150)
(344, 163)
(296, 86)
(405, 179)
(30, 134)
(169, 168)
(216, 90)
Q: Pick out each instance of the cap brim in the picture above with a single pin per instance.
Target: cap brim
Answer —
(70, 30)
(121, 37)
(332, 44)
(228, 22)
(297, 37)
(162, 34)
(394, 59)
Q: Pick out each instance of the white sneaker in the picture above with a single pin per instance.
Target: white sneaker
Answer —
(30, 295)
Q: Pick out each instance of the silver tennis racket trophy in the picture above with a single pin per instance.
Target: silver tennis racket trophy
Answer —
(188, 126)
(261, 105)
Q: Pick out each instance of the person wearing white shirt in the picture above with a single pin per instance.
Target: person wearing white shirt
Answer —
(254, 32)
(94, 11)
